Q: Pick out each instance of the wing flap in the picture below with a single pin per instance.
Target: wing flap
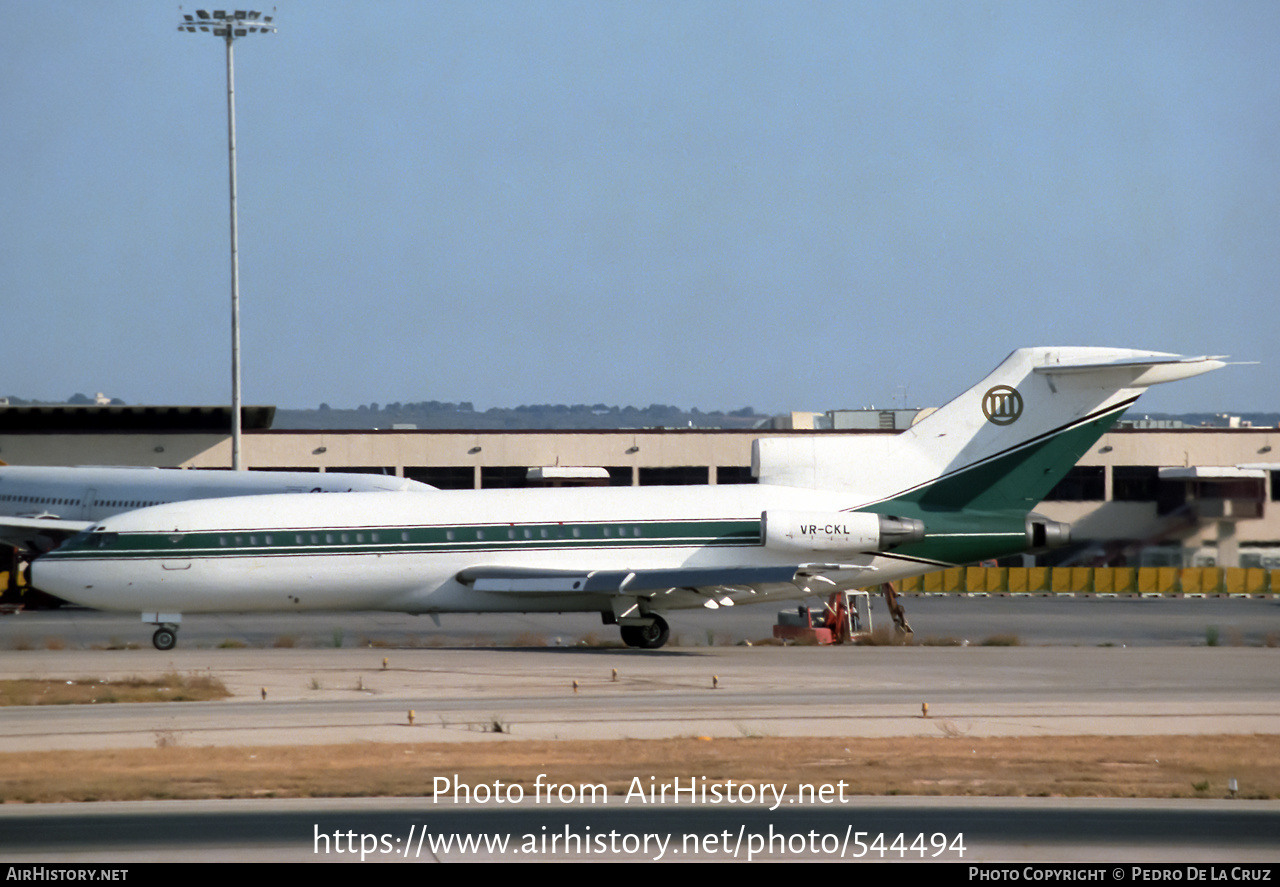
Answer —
(717, 584)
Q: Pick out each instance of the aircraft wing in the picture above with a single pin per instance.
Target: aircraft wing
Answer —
(679, 587)
(38, 535)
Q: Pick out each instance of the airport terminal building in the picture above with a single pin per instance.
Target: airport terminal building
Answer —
(1142, 496)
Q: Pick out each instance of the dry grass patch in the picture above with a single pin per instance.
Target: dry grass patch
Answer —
(1147, 766)
(171, 687)
(940, 641)
(884, 636)
(1002, 640)
(529, 639)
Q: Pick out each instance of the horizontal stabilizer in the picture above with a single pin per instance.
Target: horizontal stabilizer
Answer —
(1141, 371)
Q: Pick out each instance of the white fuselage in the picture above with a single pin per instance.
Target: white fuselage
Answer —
(372, 551)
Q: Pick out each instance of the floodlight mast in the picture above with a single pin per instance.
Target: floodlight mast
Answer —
(229, 26)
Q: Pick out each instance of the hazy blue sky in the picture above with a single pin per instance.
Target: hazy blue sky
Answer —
(788, 205)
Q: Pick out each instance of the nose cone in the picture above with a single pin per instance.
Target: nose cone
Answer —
(64, 580)
(99, 584)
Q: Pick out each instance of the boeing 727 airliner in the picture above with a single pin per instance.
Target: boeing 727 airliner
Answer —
(827, 513)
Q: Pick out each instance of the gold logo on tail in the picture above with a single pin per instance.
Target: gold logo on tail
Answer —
(1002, 405)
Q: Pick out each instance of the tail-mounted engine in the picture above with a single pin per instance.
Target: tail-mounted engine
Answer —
(1045, 533)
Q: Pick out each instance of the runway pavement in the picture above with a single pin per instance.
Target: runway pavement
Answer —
(342, 695)
(1136, 667)
(1059, 620)
(1081, 666)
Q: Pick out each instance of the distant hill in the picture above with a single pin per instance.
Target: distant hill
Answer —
(74, 400)
(434, 415)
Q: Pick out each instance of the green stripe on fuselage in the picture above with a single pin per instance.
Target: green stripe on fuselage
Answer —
(399, 540)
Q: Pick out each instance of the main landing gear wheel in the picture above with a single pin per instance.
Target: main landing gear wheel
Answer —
(650, 636)
(164, 639)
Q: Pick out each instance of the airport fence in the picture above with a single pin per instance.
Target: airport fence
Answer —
(1097, 580)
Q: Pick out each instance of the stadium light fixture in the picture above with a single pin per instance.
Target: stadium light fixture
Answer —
(229, 26)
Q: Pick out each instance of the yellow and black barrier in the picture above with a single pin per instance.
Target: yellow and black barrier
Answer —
(1096, 580)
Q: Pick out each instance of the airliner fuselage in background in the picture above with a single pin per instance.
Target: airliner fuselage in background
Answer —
(827, 513)
(40, 506)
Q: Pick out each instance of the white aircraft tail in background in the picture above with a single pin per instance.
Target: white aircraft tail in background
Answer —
(828, 513)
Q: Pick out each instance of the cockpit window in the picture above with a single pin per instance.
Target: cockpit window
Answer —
(79, 540)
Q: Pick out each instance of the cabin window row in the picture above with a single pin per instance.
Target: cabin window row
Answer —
(36, 500)
(45, 500)
(253, 539)
(462, 534)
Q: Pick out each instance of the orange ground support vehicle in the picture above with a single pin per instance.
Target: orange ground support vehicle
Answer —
(846, 615)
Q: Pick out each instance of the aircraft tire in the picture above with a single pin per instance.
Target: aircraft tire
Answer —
(164, 639)
(647, 637)
(655, 634)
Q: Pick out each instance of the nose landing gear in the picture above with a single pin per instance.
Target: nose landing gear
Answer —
(166, 636)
